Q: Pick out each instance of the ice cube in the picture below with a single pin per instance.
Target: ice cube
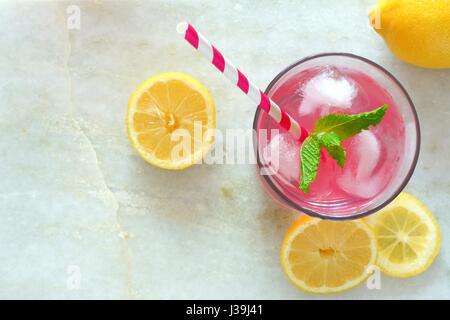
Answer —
(283, 155)
(368, 152)
(365, 188)
(363, 155)
(328, 89)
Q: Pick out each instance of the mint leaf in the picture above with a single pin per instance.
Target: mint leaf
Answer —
(310, 157)
(329, 133)
(347, 125)
(332, 143)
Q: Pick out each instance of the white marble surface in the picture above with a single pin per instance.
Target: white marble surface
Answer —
(74, 197)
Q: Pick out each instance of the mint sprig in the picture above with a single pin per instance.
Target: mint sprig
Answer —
(347, 125)
(329, 133)
(332, 143)
(310, 157)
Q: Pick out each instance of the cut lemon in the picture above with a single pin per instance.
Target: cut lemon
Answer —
(321, 256)
(408, 237)
(171, 120)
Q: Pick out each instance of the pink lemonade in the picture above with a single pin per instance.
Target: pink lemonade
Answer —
(374, 156)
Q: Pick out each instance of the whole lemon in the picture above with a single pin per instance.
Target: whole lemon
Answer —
(416, 31)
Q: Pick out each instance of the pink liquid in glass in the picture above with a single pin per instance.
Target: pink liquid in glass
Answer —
(373, 156)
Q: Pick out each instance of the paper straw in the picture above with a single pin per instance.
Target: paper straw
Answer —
(199, 42)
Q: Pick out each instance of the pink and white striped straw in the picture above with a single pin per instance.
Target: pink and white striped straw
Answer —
(199, 42)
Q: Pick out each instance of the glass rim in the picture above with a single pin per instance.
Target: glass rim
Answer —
(405, 181)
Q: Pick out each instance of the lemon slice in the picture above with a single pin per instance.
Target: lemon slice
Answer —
(321, 256)
(408, 237)
(171, 120)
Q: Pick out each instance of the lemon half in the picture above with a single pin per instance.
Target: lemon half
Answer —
(408, 237)
(171, 120)
(416, 31)
(322, 256)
